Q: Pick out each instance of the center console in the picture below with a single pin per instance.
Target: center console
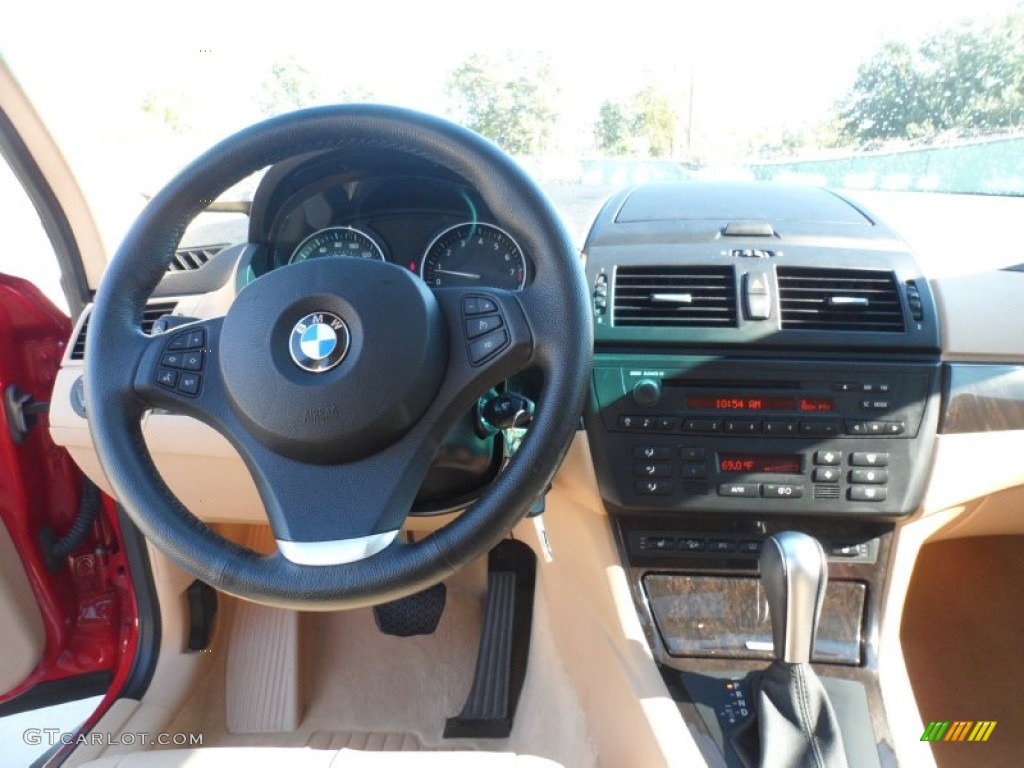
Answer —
(766, 360)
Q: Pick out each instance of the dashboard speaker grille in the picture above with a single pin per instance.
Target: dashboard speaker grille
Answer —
(816, 299)
(153, 312)
(673, 296)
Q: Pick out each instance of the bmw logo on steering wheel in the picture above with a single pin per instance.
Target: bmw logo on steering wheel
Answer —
(319, 341)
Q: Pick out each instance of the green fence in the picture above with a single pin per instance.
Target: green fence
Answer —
(995, 166)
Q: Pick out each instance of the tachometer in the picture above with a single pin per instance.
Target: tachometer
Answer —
(338, 241)
(474, 255)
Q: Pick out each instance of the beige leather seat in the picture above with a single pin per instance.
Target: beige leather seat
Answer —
(304, 757)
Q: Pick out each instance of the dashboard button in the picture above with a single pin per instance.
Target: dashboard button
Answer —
(869, 476)
(866, 493)
(702, 425)
(654, 487)
(665, 424)
(651, 453)
(750, 490)
(693, 454)
(781, 491)
(750, 547)
(842, 549)
(742, 426)
(895, 427)
(780, 427)
(628, 422)
(856, 428)
(721, 545)
(646, 423)
(844, 386)
(691, 545)
(478, 326)
(652, 469)
(868, 459)
(819, 428)
(486, 346)
(657, 542)
(828, 458)
(694, 470)
(826, 475)
(876, 427)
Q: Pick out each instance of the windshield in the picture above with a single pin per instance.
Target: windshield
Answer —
(881, 95)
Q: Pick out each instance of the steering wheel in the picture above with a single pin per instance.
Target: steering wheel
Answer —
(336, 379)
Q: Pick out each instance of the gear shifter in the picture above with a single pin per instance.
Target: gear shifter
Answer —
(795, 722)
(794, 573)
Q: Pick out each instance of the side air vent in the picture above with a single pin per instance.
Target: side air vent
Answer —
(153, 312)
(674, 296)
(815, 299)
(188, 259)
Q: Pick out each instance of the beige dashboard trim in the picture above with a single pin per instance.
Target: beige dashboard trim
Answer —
(979, 314)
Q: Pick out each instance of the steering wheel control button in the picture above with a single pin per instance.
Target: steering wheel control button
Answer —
(178, 342)
(481, 325)
(867, 459)
(478, 305)
(172, 360)
(748, 490)
(193, 361)
(866, 493)
(828, 458)
(166, 377)
(197, 339)
(319, 342)
(488, 345)
(189, 383)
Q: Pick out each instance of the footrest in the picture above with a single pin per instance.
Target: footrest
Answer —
(504, 646)
(416, 614)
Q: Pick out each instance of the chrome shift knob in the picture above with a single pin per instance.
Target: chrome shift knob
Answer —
(794, 573)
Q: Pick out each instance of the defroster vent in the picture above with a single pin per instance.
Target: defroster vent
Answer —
(674, 296)
(815, 299)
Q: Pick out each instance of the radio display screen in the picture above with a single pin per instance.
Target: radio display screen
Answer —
(784, 464)
(758, 403)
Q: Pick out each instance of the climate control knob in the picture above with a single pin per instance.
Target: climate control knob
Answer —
(647, 392)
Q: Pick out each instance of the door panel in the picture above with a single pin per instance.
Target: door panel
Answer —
(25, 637)
(83, 593)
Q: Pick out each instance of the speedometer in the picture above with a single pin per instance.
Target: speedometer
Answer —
(474, 255)
(338, 241)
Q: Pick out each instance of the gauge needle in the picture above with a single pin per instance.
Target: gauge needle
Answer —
(458, 274)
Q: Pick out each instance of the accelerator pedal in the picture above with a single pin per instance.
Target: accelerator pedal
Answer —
(504, 646)
(416, 614)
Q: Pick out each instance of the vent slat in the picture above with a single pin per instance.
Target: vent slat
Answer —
(805, 293)
(153, 312)
(711, 292)
(190, 259)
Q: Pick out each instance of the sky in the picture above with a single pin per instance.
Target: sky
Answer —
(756, 68)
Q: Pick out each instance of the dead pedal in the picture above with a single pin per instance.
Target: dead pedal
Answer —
(504, 646)
(417, 614)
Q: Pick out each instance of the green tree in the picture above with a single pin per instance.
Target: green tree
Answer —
(967, 81)
(288, 86)
(169, 107)
(612, 131)
(512, 105)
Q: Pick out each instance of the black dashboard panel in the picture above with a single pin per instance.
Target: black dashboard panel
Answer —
(760, 350)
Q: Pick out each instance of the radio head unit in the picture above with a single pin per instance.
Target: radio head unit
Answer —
(709, 434)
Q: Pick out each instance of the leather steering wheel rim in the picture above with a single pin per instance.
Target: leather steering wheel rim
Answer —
(549, 323)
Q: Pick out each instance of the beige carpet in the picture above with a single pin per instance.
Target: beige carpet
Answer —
(963, 637)
(366, 690)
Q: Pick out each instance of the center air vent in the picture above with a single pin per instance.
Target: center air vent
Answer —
(674, 296)
(153, 312)
(815, 299)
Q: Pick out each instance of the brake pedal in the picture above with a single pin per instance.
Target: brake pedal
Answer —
(417, 614)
